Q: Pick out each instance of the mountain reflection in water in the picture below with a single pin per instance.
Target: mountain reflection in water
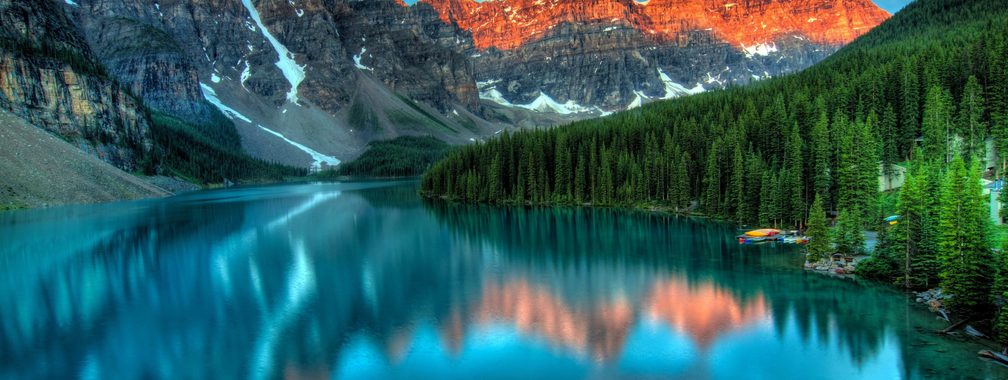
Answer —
(366, 281)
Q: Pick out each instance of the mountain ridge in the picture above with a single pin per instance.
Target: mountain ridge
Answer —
(742, 24)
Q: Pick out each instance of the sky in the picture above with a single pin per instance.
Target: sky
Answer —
(890, 5)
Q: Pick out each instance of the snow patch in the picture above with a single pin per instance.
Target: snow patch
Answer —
(762, 49)
(71, 2)
(211, 96)
(543, 103)
(638, 100)
(246, 74)
(602, 112)
(294, 73)
(357, 60)
(318, 157)
(215, 78)
(674, 90)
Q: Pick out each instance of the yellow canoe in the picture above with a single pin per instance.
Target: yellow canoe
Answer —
(763, 232)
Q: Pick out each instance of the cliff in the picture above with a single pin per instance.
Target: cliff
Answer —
(50, 77)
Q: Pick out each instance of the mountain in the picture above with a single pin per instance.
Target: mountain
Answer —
(580, 56)
(49, 76)
(332, 76)
(152, 86)
(305, 82)
(927, 83)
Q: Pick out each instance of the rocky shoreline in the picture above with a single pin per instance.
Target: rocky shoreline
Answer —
(838, 266)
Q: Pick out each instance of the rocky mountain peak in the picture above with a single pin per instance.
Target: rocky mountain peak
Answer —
(508, 24)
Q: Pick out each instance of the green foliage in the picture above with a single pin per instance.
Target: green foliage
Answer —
(819, 246)
(937, 125)
(971, 124)
(883, 265)
(45, 49)
(964, 252)
(11, 206)
(406, 156)
(847, 234)
(915, 237)
(999, 296)
(735, 152)
(209, 153)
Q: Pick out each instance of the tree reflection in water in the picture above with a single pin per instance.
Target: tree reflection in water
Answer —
(365, 280)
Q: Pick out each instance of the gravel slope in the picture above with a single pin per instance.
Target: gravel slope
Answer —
(39, 170)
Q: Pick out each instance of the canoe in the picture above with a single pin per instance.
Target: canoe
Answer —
(765, 232)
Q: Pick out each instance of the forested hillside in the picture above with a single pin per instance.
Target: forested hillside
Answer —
(924, 90)
(760, 153)
(406, 156)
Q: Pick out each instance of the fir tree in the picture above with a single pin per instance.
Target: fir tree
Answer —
(972, 127)
(847, 235)
(820, 152)
(793, 183)
(963, 249)
(999, 296)
(937, 125)
(818, 247)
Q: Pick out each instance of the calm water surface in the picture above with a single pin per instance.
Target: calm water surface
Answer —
(365, 281)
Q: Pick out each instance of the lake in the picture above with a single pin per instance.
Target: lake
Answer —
(366, 280)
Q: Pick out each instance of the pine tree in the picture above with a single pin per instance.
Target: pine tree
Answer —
(819, 244)
(910, 106)
(937, 125)
(820, 152)
(736, 186)
(963, 249)
(914, 236)
(793, 184)
(999, 296)
(754, 188)
(712, 180)
(847, 235)
(562, 173)
(890, 152)
(680, 183)
(972, 127)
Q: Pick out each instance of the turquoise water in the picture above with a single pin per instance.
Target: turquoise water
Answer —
(365, 280)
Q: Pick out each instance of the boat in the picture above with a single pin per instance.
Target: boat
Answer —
(764, 235)
(742, 239)
(763, 232)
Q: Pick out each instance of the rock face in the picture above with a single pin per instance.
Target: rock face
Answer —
(413, 53)
(510, 24)
(617, 53)
(306, 69)
(50, 77)
(303, 79)
(150, 64)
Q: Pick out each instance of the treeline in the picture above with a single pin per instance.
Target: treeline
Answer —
(761, 153)
(406, 156)
(930, 86)
(944, 239)
(63, 53)
(209, 153)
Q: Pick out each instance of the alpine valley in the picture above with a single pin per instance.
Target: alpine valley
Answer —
(214, 91)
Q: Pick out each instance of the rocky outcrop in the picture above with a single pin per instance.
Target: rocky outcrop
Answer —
(509, 24)
(50, 77)
(305, 69)
(612, 54)
(150, 64)
(414, 53)
(332, 75)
